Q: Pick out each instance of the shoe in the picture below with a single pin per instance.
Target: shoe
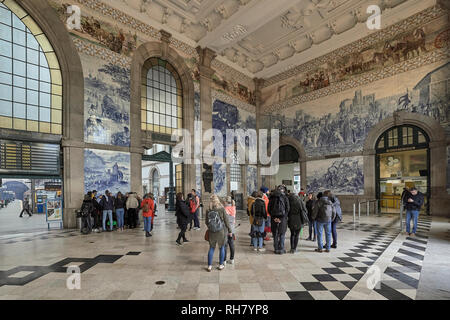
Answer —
(261, 249)
(266, 239)
(147, 234)
(209, 268)
(255, 249)
(318, 250)
(185, 240)
(221, 267)
(327, 250)
(178, 243)
(292, 251)
(231, 261)
(150, 234)
(412, 234)
(277, 252)
(333, 246)
(225, 263)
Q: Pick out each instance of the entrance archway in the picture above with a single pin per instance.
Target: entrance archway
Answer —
(402, 161)
(438, 198)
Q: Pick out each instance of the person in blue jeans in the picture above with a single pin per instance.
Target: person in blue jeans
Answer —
(324, 213)
(119, 204)
(259, 214)
(413, 204)
(107, 204)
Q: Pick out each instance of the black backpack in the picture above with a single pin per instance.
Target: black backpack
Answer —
(86, 209)
(278, 209)
(215, 223)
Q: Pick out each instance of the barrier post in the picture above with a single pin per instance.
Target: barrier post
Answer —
(354, 213)
(359, 211)
(368, 208)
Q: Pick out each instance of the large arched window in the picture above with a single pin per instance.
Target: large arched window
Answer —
(161, 97)
(30, 76)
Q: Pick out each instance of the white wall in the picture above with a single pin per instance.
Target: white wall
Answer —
(287, 172)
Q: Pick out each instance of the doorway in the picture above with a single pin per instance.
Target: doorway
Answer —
(289, 169)
(402, 161)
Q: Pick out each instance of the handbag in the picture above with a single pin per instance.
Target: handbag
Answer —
(207, 235)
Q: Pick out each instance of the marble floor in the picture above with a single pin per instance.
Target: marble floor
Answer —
(126, 265)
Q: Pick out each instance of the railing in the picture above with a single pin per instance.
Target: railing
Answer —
(377, 208)
(367, 202)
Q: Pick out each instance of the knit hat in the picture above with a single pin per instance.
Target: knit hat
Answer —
(264, 189)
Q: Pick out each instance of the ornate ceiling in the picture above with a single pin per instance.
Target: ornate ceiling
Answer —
(262, 38)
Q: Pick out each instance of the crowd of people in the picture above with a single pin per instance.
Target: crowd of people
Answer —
(107, 212)
(270, 212)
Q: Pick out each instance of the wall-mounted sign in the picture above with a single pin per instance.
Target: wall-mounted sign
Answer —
(287, 182)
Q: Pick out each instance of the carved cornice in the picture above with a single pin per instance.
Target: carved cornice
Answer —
(105, 54)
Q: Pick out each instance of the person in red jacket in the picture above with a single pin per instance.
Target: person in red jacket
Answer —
(148, 212)
(194, 204)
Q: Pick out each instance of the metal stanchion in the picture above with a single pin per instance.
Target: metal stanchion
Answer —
(368, 208)
(359, 211)
(354, 213)
(401, 218)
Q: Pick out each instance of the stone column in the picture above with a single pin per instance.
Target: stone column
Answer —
(258, 104)
(206, 72)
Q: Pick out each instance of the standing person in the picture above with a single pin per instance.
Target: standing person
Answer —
(310, 203)
(148, 207)
(87, 208)
(25, 208)
(218, 228)
(107, 204)
(413, 205)
(302, 194)
(119, 204)
(337, 219)
(265, 197)
(183, 216)
(132, 205)
(259, 214)
(324, 212)
(296, 220)
(279, 209)
(151, 196)
(195, 204)
(230, 209)
(250, 200)
(97, 211)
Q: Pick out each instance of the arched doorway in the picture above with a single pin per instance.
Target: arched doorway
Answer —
(402, 161)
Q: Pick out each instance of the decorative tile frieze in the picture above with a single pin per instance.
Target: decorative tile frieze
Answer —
(403, 26)
(83, 46)
(217, 95)
(404, 66)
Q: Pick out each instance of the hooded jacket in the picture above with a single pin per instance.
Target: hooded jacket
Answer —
(324, 210)
(250, 201)
(182, 212)
(132, 202)
(296, 212)
(418, 201)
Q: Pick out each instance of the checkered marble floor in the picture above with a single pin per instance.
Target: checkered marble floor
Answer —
(126, 265)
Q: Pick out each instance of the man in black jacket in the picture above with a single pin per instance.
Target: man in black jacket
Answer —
(279, 209)
(414, 202)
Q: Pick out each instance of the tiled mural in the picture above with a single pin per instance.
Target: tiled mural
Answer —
(343, 176)
(340, 123)
(106, 102)
(252, 179)
(106, 170)
(220, 179)
(406, 41)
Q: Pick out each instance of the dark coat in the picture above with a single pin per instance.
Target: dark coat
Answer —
(324, 211)
(182, 213)
(297, 209)
(418, 201)
(310, 206)
(119, 203)
(107, 205)
(259, 209)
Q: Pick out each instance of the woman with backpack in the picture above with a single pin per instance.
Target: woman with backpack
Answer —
(183, 217)
(259, 214)
(148, 207)
(218, 229)
(230, 209)
(296, 219)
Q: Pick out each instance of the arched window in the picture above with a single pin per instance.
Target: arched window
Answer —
(235, 170)
(402, 136)
(161, 97)
(155, 183)
(30, 76)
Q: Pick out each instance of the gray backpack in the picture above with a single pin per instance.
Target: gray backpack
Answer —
(215, 223)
